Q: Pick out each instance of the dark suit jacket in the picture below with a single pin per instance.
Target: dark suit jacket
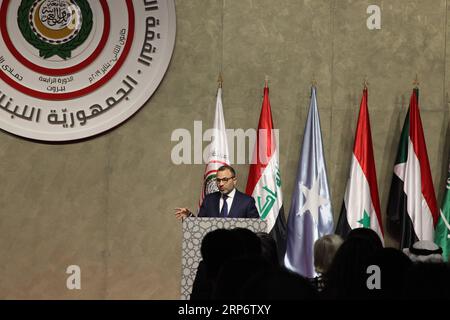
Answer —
(243, 206)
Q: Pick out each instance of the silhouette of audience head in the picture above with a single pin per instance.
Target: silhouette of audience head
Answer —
(216, 247)
(268, 248)
(392, 264)
(424, 251)
(278, 284)
(366, 234)
(324, 250)
(221, 245)
(234, 274)
(247, 243)
(346, 277)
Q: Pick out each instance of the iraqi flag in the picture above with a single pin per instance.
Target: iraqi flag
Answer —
(361, 207)
(264, 178)
(217, 151)
(412, 201)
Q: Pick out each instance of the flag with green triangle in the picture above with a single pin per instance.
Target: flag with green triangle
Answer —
(412, 201)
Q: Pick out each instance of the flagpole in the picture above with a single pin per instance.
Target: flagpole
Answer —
(416, 87)
(313, 81)
(416, 82)
(313, 84)
(365, 83)
(220, 80)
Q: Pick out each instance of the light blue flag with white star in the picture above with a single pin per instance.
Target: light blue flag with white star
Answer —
(310, 215)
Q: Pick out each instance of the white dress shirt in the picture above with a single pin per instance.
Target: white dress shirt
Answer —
(229, 201)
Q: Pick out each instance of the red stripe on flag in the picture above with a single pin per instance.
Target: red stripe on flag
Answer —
(265, 122)
(363, 151)
(418, 140)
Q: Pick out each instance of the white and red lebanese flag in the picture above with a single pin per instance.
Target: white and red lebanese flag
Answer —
(412, 201)
(217, 151)
(264, 178)
(361, 207)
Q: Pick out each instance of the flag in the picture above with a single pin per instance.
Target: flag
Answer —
(412, 201)
(310, 216)
(264, 178)
(218, 154)
(442, 236)
(361, 207)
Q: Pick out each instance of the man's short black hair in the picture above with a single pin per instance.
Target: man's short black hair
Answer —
(227, 167)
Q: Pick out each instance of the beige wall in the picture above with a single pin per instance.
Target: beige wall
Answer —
(106, 204)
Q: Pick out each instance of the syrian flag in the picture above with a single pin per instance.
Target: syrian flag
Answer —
(442, 237)
(264, 178)
(361, 207)
(412, 201)
(217, 151)
(311, 216)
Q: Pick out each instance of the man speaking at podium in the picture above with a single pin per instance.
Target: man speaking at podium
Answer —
(228, 202)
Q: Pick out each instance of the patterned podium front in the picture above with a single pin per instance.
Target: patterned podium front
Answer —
(194, 229)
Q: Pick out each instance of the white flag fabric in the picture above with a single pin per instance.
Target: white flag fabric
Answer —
(217, 151)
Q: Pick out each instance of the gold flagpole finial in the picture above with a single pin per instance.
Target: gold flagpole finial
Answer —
(266, 81)
(365, 82)
(220, 80)
(416, 82)
(314, 81)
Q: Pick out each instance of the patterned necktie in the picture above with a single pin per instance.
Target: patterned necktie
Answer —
(224, 211)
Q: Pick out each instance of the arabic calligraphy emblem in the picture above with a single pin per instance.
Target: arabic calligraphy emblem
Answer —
(55, 27)
(210, 184)
(71, 69)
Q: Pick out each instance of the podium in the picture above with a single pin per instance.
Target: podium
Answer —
(194, 229)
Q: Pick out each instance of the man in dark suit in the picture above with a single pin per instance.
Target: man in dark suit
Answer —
(227, 202)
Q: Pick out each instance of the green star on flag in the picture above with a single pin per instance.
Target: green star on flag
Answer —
(361, 204)
(365, 221)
